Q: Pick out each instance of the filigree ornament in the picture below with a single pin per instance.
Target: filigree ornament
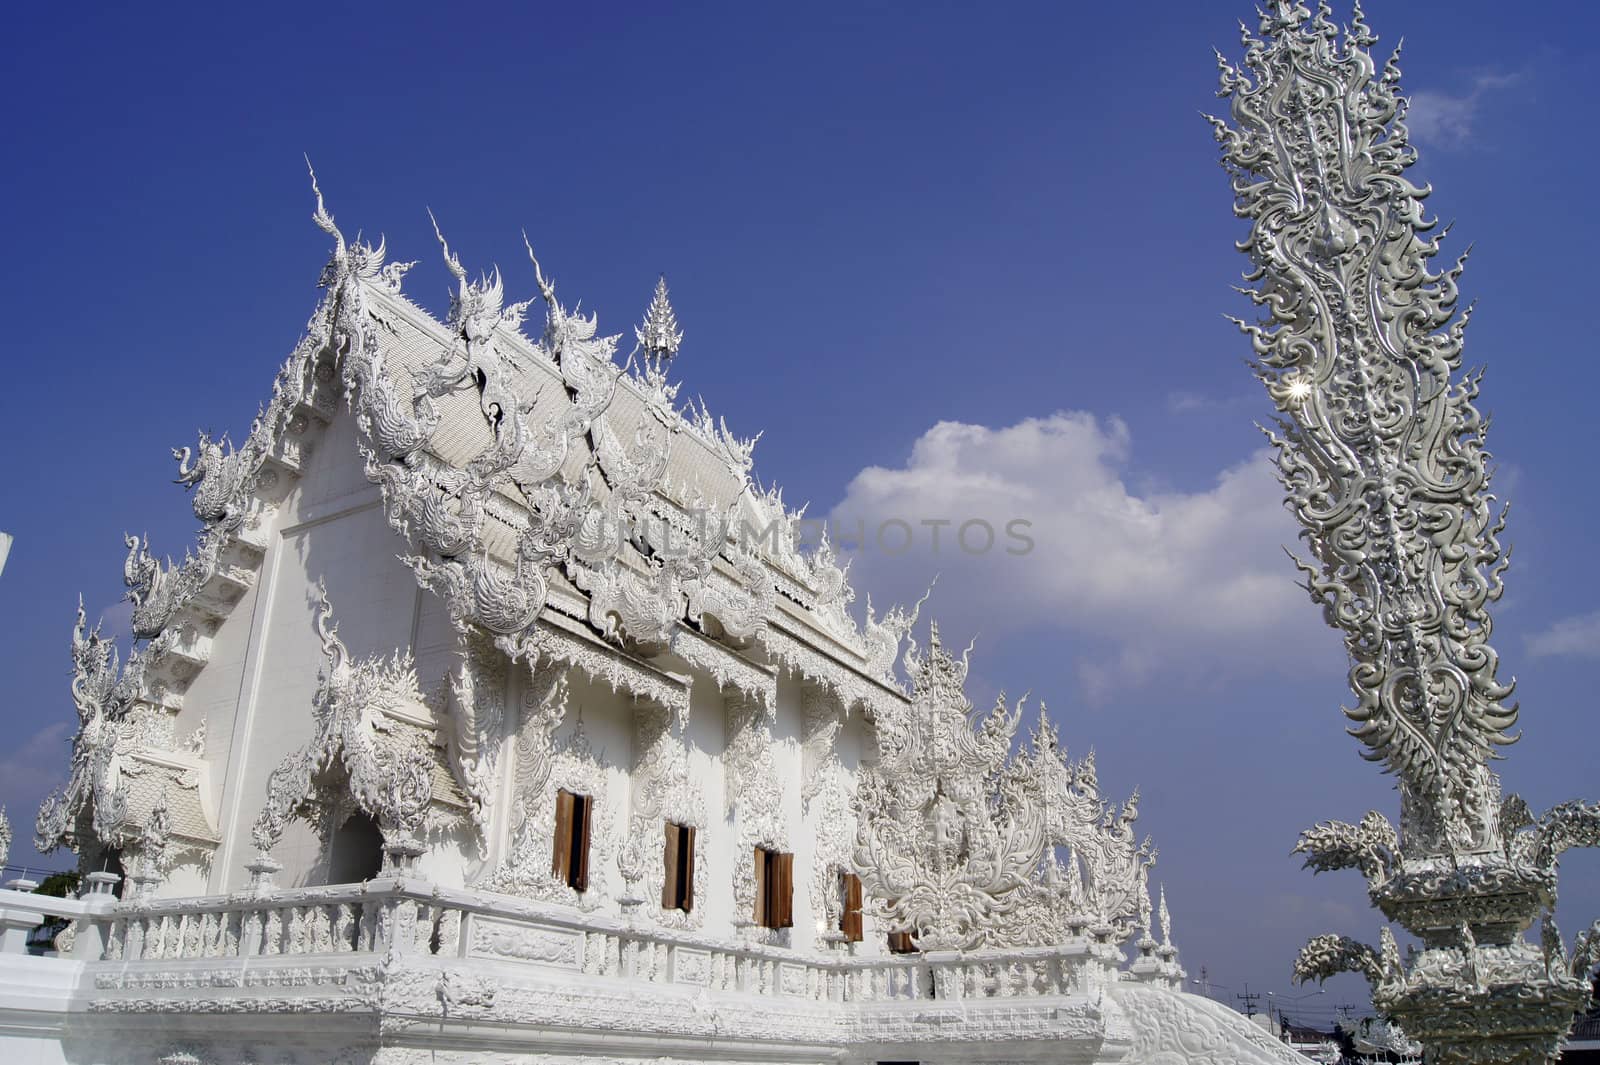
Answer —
(1372, 846)
(365, 745)
(661, 791)
(883, 637)
(964, 845)
(475, 699)
(1382, 453)
(150, 854)
(753, 791)
(659, 339)
(645, 563)
(545, 765)
(91, 807)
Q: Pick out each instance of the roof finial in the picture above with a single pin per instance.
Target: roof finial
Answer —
(1164, 918)
(659, 336)
(322, 218)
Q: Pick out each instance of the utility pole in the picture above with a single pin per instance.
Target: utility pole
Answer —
(1249, 998)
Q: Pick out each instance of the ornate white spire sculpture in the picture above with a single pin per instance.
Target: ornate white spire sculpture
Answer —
(658, 335)
(963, 843)
(1382, 453)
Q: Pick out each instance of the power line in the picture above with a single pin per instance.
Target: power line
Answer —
(1249, 998)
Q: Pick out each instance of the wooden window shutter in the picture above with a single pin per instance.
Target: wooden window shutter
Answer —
(561, 846)
(761, 916)
(669, 882)
(900, 943)
(785, 907)
(850, 920)
(579, 877)
(686, 863)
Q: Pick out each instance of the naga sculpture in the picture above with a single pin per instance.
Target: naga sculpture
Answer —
(1381, 452)
(91, 804)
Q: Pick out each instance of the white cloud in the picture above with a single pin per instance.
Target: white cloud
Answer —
(1192, 581)
(1577, 636)
(1447, 119)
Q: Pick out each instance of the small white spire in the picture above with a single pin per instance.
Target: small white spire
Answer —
(659, 336)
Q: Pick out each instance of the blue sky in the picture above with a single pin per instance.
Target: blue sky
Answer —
(939, 246)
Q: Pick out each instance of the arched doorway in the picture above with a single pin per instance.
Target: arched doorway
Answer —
(355, 853)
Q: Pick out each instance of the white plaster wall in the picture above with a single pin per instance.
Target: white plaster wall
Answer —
(331, 470)
(330, 527)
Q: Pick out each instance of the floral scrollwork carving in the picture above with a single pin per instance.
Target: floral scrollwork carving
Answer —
(363, 746)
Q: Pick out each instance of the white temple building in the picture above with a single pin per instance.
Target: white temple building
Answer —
(498, 716)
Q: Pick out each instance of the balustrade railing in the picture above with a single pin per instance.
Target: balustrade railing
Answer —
(397, 915)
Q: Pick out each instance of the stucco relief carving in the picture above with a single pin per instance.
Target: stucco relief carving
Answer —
(475, 704)
(123, 764)
(525, 944)
(826, 796)
(543, 707)
(660, 791)
(753, 795)
(1187, 1029)
(727, 667)
(365, 745)
(568, 763)
(966, 845)
(642, 549)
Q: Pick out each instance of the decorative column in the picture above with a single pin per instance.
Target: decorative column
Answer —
(1382, 454)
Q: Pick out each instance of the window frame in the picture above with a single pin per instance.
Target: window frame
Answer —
(774, 874)
(677, 858)
(569, 847)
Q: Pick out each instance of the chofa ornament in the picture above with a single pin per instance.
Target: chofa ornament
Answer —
(1381, 452)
